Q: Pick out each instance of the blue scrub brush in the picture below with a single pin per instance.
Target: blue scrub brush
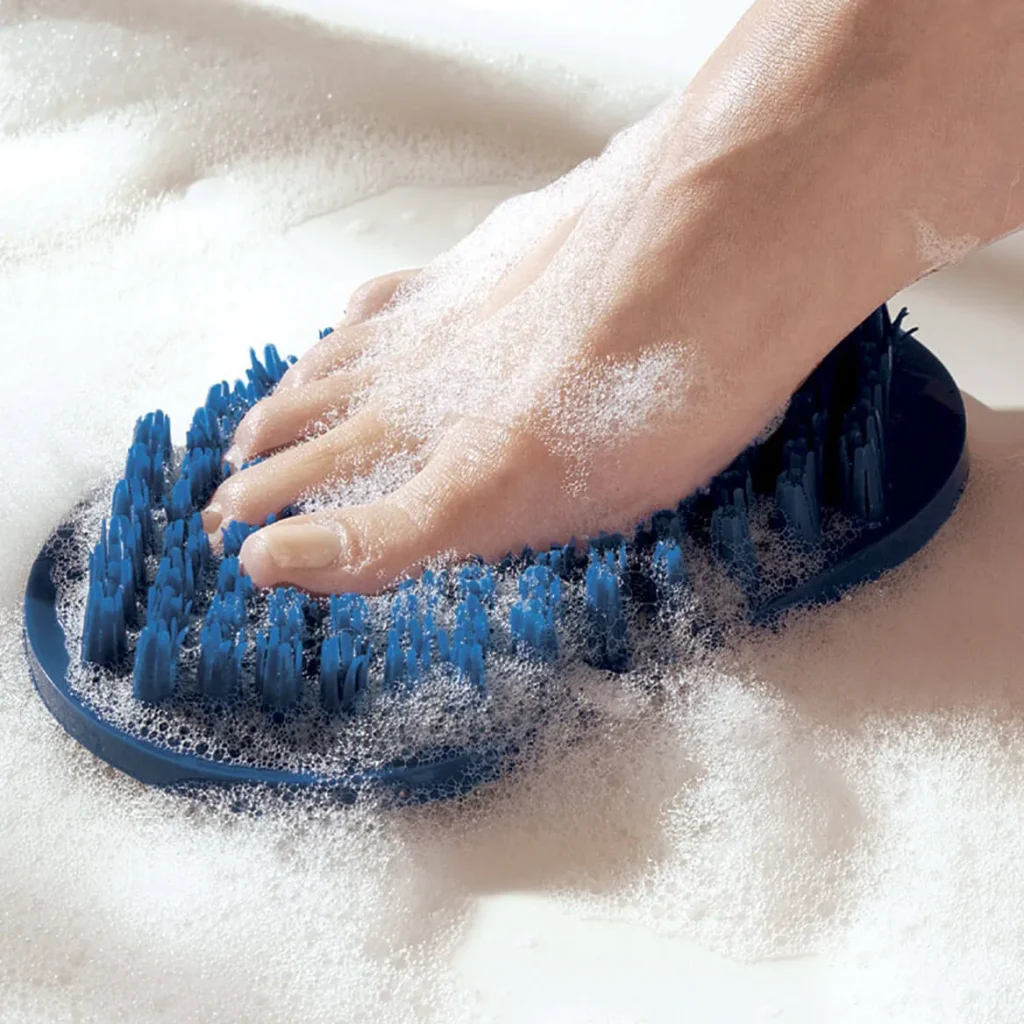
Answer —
(179, 672)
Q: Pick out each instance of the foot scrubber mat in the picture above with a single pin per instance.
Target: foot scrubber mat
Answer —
(161, 658)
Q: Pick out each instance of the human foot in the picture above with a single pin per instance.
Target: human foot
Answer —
(596, 417)
(600, 348)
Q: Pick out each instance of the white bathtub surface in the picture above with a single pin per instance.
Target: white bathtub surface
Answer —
(830, 832)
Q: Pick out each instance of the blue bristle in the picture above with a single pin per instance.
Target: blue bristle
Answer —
(104, 637)
(233, 536)
(229, 610)
(155, 672)
(356, 679)
(165, 604)
(286, 610)
(862, 464)
(147, 466)
(325, 332)
(471, 621)
(413, 668)
(201, 470)
(229, 404)
(187, 537)
(607, 644)
(476, 578)
(116, 572)
(197, 546)
(732, 544)
(668, 525)
(413, 643)
(344, 671)
(154, 431)
(218, 399)
(540, 581)
(669, 567)
(222, 648)
(230, 578)
(133, 499)
(175, 571)
(561, 560)
(179, 504)
(394, 660)
(798, 506)
(174, 536)
(205, 431)
(259, 379)
(276, 366)
(532, 624)
(174, 583)
(264, 376)
(404, 605)
(223, 639)
(349, 612)
(278, 667)
(121, 502)
(735, 487)
(124, 584)
(533, 618)
(798, 490)
(468, 658)
(330, 672)
(242, 397)
(551, 559)
(279, 650)
(125, 537)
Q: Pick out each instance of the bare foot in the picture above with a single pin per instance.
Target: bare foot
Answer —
(599, 349)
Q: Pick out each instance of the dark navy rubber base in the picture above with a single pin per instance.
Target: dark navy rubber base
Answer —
(155, 765)
(926, 471)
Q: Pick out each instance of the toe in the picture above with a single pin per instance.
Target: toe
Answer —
(469, 499)
(294, 414)
(371, 298)
(358, 549)
(332, 353)
(265, 488)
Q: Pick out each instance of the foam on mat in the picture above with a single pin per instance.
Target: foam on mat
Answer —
(851, 788)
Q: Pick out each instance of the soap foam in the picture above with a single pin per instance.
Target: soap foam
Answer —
(852, 787)
(935, 251)
(438, 359)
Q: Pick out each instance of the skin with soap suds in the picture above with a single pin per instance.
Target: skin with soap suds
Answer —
(604, 349)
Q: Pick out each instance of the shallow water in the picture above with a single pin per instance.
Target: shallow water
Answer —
(825, 827)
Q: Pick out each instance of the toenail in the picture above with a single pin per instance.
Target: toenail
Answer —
(296, 546)
(212, 518)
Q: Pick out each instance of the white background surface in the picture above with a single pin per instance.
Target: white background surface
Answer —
(120, 310)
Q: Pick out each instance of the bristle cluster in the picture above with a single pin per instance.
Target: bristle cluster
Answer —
(534, 617)
(415, 643)
(733, 496)
(345, 653)
(279, 647)
(828, 456)
(118, 578)
(606, 588)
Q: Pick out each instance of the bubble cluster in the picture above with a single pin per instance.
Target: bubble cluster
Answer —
(935, 251)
